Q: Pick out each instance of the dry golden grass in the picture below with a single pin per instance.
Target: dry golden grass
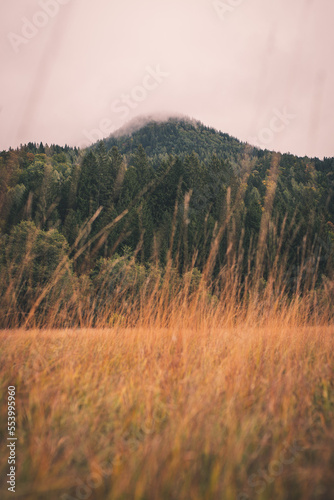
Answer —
(200, 386)
(208, 412)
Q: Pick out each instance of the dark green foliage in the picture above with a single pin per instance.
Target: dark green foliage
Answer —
(32, 260)
(177, 137)
(166, 190)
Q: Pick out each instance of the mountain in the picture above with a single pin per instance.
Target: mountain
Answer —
(179, 136)
(166, 188)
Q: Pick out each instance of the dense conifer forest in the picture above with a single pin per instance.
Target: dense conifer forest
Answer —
(167, 192)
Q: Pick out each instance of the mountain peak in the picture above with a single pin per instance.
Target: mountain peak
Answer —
(162, 134)
(140, 121)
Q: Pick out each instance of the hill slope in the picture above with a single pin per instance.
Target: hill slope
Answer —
(178, 136)
(166, 190)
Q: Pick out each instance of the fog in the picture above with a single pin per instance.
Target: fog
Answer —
(261, 70)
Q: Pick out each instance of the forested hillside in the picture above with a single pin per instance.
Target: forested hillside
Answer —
(173, 191)
(176, 136)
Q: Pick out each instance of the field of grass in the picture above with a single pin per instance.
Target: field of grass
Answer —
(188, 412)
(212, 385)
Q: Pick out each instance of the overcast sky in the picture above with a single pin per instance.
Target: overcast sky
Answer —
(73, 71)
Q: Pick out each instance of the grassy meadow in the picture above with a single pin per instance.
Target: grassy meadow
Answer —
(137, 381)
(204, 408)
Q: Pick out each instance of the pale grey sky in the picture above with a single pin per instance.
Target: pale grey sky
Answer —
(261, 70)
